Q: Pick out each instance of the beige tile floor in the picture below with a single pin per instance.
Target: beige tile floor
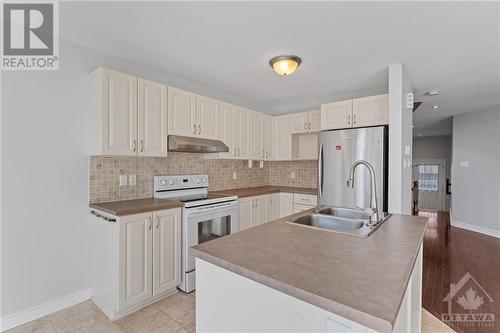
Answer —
(174, 314)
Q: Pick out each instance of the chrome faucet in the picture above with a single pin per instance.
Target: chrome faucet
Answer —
(373, 193)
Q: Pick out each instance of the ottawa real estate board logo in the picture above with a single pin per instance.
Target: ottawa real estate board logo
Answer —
(30, 36)
(469, 305)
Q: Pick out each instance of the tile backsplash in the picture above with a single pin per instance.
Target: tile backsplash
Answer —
(104, 172)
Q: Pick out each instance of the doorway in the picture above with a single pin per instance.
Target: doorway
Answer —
(430, 175)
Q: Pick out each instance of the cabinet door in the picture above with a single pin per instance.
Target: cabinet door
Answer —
(152, 118)
(244, 128)
(314, 121)
(336, 115)
(256, 136)
(245, 207)
(181, 112)
(136, 259)
(259, 210)
(273, 207)
(286, 204)
(283, 138)
(207, 115)
(268, 126)
(119, 118)
(299, 122)
(166, 250)
(370, 111)
(227, 129)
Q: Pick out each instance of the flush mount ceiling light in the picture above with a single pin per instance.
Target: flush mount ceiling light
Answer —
(433, 92)
(434, 107)
(285, 64)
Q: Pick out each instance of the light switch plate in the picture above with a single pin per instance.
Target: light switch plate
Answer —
(409, 101)
(235, 176)
(131, 179)
(123, 180)
(464, 164)
(292, 175)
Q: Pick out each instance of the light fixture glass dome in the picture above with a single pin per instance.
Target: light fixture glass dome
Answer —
(285, 64)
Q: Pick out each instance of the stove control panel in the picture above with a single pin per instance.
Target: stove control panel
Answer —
(177, 182)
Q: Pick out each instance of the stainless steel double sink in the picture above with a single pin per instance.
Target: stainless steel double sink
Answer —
(349, 221)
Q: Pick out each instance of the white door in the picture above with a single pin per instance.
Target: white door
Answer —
(152, 118)
(244, 213)
(207, 115)
(256, 136)
(431, 184)
(314, 121)
(283, 138)
(119, 103)
(136, 259)
(244, 131)
(268, 126)
(181, 112)
(166, 250)
(336, 115)
(370, 111)
(227, 129)
(299, 123)
(286, 204)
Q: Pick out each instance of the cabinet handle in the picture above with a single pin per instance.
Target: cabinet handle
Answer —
(349, 120)
(142, 145)
(309, 126)
(135, 145)
(194, 129)
(150, 224)
(305, 126)
(263, 153)
(238, 151)
(354, 119)
(157, 221)
(234, 152)
(199, 129)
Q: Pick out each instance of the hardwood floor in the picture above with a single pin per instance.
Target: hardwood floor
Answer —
(449, 254)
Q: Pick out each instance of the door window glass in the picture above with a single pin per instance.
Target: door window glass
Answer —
(428, 177)
(214, 228)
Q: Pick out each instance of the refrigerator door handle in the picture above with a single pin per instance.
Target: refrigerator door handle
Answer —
(320, 170)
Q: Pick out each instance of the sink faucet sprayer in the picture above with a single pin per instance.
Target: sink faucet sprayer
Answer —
(373, 193)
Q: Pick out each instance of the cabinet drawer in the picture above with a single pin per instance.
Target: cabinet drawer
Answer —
(305, 199)
(297, 208)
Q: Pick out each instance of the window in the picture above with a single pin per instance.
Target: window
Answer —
(428, 179)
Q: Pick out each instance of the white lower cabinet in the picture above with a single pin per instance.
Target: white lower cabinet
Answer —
(273, 207)
(302, 202)
(286, 204)
(245, 206)
(136, 260)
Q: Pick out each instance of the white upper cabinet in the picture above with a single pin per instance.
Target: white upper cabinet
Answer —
(181, 112)
(370, 111)
(305, 122)
(152, 118)
(227, 129)
(166, 250)
(314, 118)
(299, 122)
(114, 99)
(283, 138)
(242, 132)
(256, 136)
(336, 115)
(268, 127)
(207, 118)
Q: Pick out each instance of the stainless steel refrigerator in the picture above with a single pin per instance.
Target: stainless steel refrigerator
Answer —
(339, 149)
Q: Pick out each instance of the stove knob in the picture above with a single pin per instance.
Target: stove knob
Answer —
(198, 180)
(163, 182)
(204, 180)
(170, 182)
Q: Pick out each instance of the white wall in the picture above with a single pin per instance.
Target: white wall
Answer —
(476, 189)
(400, 137)
(46, 135)
(434, 147)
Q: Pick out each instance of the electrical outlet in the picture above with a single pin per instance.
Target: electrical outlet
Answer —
(292, 175)
(132, 179)
(235, 176)
(123, 180)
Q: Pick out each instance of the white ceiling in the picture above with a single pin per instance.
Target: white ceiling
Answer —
(345, 47)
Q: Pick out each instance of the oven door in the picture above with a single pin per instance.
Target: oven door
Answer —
(206, 223)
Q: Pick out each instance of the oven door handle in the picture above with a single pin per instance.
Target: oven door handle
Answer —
(209, 208)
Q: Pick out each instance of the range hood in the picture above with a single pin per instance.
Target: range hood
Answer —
(195, 145)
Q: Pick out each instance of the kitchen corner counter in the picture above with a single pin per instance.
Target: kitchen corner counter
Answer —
(262, 190)
(136, 206)
(361, 279)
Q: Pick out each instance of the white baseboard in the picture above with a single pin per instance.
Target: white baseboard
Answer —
(475, 228)
(25, 316)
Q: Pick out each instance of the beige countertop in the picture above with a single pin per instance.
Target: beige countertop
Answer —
(136, 206)
(261, 190)
(361, 279)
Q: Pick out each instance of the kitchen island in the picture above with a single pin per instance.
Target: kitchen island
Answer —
(284, 277)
